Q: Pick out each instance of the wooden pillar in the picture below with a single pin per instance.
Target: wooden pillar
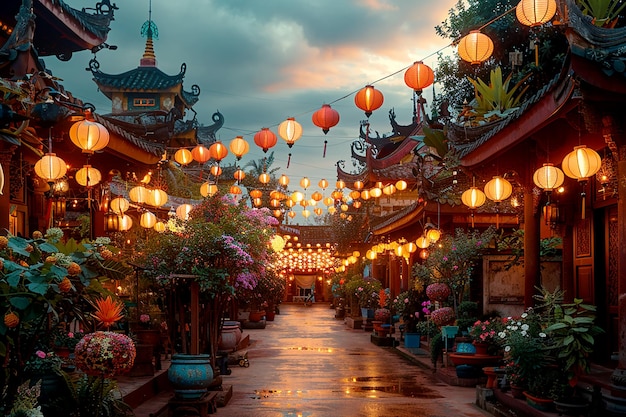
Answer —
(195, 318)
(531, 247)
(567, 274)
(621, 264)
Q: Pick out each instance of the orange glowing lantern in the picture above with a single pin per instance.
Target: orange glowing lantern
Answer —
(200, 154)
(325, 118)
(218, 151)
(535, 12)
(183, 156)
(264, 178)
(419, 76)
(265, 139)
(368, 99)
(239, 147)
(475, 47)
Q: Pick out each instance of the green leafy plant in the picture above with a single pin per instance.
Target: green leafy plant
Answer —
(604, 13)
(496, 99)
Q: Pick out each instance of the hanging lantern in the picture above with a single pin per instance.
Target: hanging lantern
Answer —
(88, 135)
(183, 156)
(368, 99)
(389, 189)
(50, 167)
(548, 177)
(88, 176)
(290, 131)
(59, 207)
(475, 47)
(304, 202)
(264, 178)
(305, 182)
(283, 180)
(323, 183)
(318, 211)
(410, 247)
(274, 203)
(290, 203)
(218, 151)
(235, 190)
(111, 222)
(325, 118)
(239, 147)
(138, 194)
(332, 210)
(182, 211)
(535, 12)
(344, 207)
(257, 202)
(473, 198)
(239, 175)
(337, 195)
(265, 139)
(216, 170)
(125, 223)
(256, 194)
(328, 201)
(580, 164)
(419, 76)
(401, 185)
(147, 220)
(200, 154)
(317, 196)
(424, 254)
(208, 189)
(422, 242)
(366, 195)
(376, 192)
(354, 194)
(356, 204)
(159, 227)
(371, 254)
(306, 213)
(119, 205)
(277, 213)
(433, 235)
(498, 190)
(157, 197)
(291, 214)
(358, 185)
(340, 184)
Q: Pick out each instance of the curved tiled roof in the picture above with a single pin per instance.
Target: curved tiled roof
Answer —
(98, 24)
(153, 148)
(140, 78)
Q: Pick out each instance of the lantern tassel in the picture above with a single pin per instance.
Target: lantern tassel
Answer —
(288, 160)
(472, 217)
(583, 205)
(325, 142)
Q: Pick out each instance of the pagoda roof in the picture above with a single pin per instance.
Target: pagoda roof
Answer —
(138, 79)
(60, 29)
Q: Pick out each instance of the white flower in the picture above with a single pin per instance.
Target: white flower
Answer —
(507, 348)
(542, 334)
(525, 326)
(524, 315)
(502, 335)
(524, 332)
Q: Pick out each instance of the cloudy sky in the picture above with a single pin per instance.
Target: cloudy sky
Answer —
(259, 62)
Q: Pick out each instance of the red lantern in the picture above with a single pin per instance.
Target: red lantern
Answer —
(368, 99)
(265, 139)
(419, 76)
(325, 118)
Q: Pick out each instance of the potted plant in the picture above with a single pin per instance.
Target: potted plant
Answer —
(485, 336)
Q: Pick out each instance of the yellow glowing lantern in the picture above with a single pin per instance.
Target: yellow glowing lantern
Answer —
(291, 214)
(328, 201)
(332, 210)
(290, 203)
(401, 185)
(216, 170)
(88, 135)
(88, 176)
(433, 235)
(389, 189)
(376, 192)
(305, 182)
(548, 177)
(256, 193)
(473, 198)
(277, 213)
(50, 167)
(183, 156)
(318, 211)
(337, 195)
(147, 220)
(371, 255)
(200, 154)
(239, 147)
(356, 204)
(208, 189)
(274, 202)
(138, 194)
(157, 197)
(581, 164)
(257, 202)
(422, 242)
(340, 185)
(306, 213)
(218, 151)
(159, 227)
(354, 194)
(498, 189)
(297, 196)
(290, 131)
(475, 47)
(323, 184)
(125, 223)
(410, 247)
(304, 202)
(119, 205)
(283, 180)
(366, 195)
(264, 178)
(182, 211)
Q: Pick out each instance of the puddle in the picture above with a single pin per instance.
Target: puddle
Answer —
(407, 387)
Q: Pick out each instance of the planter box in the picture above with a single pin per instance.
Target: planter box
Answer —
(354, 323)
(412, 340)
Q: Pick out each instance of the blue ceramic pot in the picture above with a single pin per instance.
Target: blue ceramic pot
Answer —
(190, 375)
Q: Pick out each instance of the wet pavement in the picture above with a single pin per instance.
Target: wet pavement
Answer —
(306, 363)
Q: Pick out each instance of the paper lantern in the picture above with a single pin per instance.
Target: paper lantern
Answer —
(159, 227)
(498, 189)
(291, 214)
(290, 131)
(401, 185)
(325, 118)
(183, 156)
(389, 189)
(147, 220)
(182, 211)
(306, 213)
(548, 177)
(475, 47)
(119, 205)
(239, 147)
(265, 139)
(368, 99)
(433, 235)
(318, 211)
(354, 194)
(257, 202)
(419, 76)
(88, 176)
(157, 197)
(422, 242)
(366, 195)
(239, 175)
(200, 154)
(376, 192)
(88, 135)
(216, 170)
(332, 210)
(340, 184)
(50, 167)
(218, 151)
(264, 178)
(305, 182)
(297, 197)
(208, 189)
(235, 190)
(581, 163)
(125, 223)
(111, 222)
(317, 196)
(138, 194)
(290, 203)
(283, 180)
(256, 193)
(323, 183)
(535, 12)
(473, 198)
